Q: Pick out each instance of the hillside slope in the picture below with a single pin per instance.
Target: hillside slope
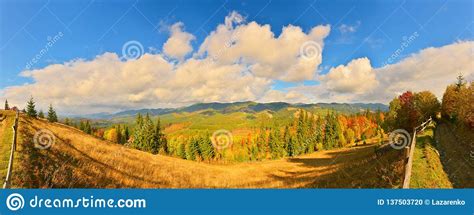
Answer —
(7, 119)
(246, 107)
(456, 154)
(80, 160)
(428, 171)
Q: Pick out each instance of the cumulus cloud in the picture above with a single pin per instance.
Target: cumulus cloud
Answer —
(264, 53)
(179, 43)
(291, 96)
(108, 84)
(356, 77)
(238, 61)
(430, 69)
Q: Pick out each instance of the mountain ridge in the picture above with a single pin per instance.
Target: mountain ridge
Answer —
(246, 106)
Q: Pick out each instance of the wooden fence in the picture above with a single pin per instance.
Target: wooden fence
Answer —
(7, 183)
(409, 151)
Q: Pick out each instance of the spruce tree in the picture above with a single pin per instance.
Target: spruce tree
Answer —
(87, 127)
(7, 107)
(52, 117)
(159, 138)
(286, 138)
(30, 108)
(190, 150)
(119, 134)
(207, 149)
(148, 136)
(82, 126)
(181, 151)
(138, 132)
(41, 114)
(126, 134)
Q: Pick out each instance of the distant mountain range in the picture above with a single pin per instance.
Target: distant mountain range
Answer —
(249, 107)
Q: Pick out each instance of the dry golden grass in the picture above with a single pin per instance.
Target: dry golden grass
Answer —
(427, 171)
(7, 119)
(80, 160)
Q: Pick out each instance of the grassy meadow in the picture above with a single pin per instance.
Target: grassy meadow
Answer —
(80, 160)
(7, 119)
(427, 171)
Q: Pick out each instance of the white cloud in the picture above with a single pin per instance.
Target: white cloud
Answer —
(179, 43)
(357, 77)
(280, 96)
(265, 54)
(108, 84)
(430, 69)
(345, 28)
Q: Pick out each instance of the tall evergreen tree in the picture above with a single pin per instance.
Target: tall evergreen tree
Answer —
(207, 149)
(137, 132)
(52, 117)
(159, 138)
(30, 108)
(7, 107)
(126, 134)
(181, 151)
(276, 144)
(119, 134)
(286, 139)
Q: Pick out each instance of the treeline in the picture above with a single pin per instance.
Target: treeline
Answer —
(148, 136)
(411, 109)
(31, 111)
(458, 103)
(307, 134)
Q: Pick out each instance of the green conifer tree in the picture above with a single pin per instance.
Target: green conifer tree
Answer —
(30, 108)
(52, 117)
(41, 114)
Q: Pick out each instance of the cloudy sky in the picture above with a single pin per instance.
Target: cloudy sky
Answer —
(106, 56)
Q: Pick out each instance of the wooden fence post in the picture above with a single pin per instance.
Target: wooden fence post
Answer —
(7, 183)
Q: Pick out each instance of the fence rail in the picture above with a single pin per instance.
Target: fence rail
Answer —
(7, 183)
(409, 151)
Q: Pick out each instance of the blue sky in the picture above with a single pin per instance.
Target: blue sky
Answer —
(372, 29)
